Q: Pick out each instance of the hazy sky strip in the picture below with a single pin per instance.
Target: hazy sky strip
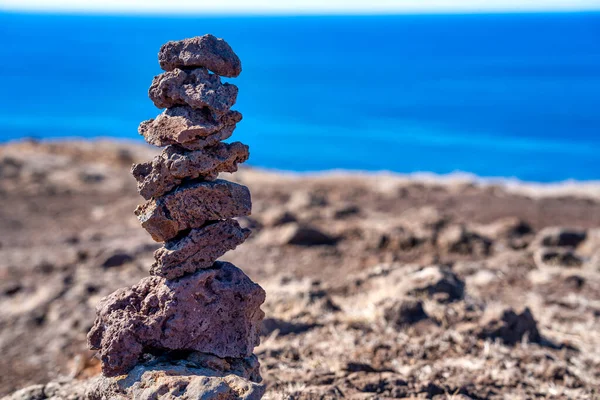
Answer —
(298, 6)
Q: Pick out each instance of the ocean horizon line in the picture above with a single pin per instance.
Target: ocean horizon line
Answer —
(183, 14)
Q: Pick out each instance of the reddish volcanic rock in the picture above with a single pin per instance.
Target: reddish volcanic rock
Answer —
(197, 88)
(202, 51)
(174, 165)
(190, 128)
(214, 311)
(191, 206)
(199, 249)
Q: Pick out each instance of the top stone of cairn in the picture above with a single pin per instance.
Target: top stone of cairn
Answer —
(205, 51)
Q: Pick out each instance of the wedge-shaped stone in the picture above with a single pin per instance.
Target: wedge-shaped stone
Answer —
(214, 311)
(174, 165)
(199, 249)
(197, 88)
(191, 206)
(190, 128)
(202, 51)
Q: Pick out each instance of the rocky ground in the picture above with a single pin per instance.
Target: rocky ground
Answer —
(377, 286)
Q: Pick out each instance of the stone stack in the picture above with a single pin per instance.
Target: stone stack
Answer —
(194, 309)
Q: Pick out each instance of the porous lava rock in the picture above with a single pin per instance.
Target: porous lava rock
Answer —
(191, 206)
(202, 51)
(214, 311)
(200, 248)
(197, 88)
(189, 128)
(175, 164)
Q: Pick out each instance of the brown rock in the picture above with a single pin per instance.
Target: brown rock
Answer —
(197, 88)
(276, 216)
(560, 237)
(198, 249)
(190, 128)
(509, 325)
(557, 257)
(437, 282)
(213, 311)
(402, 312)
(301, 235)
(174, 165)
(202, 51)
(191, 206)
(461, 240)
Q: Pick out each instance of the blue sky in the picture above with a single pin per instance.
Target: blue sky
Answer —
(298, 6)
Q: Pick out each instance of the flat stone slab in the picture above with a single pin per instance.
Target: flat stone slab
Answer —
(199, 249)
(175, 164)
(199, 376)
(202, 51)
(190, 128)
(191, 206)
(197, 88)
(214, 311)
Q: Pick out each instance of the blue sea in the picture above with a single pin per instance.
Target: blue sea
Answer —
(494, 95)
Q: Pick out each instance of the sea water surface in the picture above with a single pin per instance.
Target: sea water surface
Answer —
(494, 95)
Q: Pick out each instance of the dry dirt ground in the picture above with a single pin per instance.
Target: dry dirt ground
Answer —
(377, 286)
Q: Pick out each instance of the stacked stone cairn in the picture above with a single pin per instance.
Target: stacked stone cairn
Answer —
(193, 307)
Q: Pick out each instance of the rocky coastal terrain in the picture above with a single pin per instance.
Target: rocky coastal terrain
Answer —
(378, 286)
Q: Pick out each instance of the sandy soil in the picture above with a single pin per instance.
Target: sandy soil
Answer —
(378, 286)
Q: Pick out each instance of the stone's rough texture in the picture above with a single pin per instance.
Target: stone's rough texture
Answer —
(190, 128)
(198, 376)
(202, 51)
(171, 167)
(191, 206)
(199, 249)
(197, 88)
(214, 311)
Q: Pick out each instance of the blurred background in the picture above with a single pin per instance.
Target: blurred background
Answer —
(497, 89)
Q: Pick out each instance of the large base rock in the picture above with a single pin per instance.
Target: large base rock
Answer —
(215, 311)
